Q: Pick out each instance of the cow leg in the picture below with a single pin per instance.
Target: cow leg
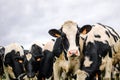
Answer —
(108, 69)
(81, 75)
(56, 71)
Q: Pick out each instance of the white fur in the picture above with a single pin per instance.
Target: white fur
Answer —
(87, 62)
(49, 45)
(14, 46)
(28, 56)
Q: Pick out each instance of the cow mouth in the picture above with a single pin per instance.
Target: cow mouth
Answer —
(73, 55)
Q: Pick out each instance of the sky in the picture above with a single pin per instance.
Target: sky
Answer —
(26, 21)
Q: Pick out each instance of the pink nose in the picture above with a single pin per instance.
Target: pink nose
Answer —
(73, 52)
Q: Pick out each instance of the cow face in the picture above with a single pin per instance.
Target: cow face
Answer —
(33, 60)
(14, 63)
(68, 38)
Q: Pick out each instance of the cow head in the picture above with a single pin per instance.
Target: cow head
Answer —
(13, 60)
(33, 60)
(68, 37)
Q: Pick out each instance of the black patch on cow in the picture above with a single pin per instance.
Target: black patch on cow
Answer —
(46, 68)
(102, 25)
(11, 59)
(82, 38)
(107, 34)
(114, 31)
(97, 36)
(65, 42)
(115, 37)
(60, 45)
(91, 51)
(57, 49)
(95, 51)
(36, 50)
(77, 37)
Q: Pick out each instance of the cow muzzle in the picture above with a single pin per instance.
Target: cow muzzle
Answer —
(73, 53)
(30, 75)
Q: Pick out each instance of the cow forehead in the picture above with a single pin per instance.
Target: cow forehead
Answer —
(69, 27)
(28, 56)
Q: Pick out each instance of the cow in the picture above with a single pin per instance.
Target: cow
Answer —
(2, 49)
(66, 51)
(13, 61)
(100, 45)
(46, 69)
(32, 60)
(39, 61)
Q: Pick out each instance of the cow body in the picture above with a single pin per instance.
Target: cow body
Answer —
(13, 61)
(66, 51)
(100, 44)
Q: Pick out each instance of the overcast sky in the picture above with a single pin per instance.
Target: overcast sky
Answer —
(25, 21)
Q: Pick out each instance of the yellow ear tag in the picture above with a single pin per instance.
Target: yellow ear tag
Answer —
(38, 59)
(57, 35)
(20, 61)
(84, 31)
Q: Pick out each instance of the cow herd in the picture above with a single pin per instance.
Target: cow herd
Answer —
(90, 52)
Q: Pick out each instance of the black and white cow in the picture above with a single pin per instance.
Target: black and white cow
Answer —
(13, 61)
(100, 44)
(66, 51)
(32, 60)
(39, 61)
(46, 69)
(2, 49)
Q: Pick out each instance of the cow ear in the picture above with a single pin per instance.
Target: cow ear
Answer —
(85, 29)
(54, 33)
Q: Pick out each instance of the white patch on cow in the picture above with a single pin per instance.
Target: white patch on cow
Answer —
(70, 29)
(87, 62)
(49, 45)
(9, 72)
(28, 56)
